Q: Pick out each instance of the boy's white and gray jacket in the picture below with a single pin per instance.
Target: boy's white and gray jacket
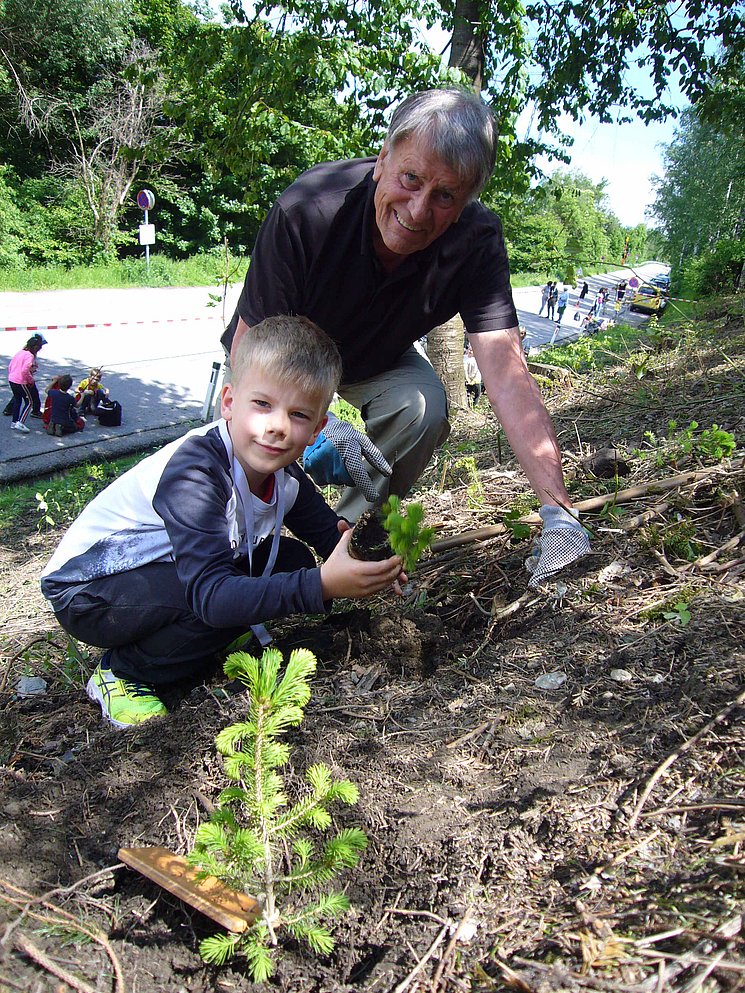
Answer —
(184, 504)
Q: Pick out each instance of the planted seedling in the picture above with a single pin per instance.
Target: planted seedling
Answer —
(257, 841)
(391, 530)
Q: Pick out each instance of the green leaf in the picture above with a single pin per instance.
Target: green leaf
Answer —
(218, 948)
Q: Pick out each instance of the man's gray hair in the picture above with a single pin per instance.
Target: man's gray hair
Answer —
(457, 125)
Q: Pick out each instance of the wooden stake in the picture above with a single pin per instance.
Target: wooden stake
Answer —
(233, 910)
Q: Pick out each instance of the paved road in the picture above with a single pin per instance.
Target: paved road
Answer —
(157, 347)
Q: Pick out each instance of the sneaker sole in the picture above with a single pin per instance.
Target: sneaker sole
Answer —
(95, 694)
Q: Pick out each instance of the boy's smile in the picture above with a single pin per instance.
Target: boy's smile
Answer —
(270, 422)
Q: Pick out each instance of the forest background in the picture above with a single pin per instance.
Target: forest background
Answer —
(218, 113)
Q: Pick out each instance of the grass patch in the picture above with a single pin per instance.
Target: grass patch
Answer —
(207, 269)
(595, 351)
(57, 500)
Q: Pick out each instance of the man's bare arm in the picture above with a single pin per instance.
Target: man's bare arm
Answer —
(517, 403)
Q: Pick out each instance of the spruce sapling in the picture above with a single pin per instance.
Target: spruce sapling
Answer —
(256, 840)
(406, 535)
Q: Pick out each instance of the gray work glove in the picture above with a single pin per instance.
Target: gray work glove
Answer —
(562, 540)
(336, 457)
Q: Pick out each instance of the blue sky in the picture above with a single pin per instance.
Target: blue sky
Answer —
(626, 155)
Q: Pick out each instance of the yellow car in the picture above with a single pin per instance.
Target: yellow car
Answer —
(649, 299)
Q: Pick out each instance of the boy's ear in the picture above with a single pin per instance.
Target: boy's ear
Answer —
(226, 402)
(318, 428)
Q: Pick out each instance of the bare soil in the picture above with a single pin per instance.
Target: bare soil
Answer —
(587, 836)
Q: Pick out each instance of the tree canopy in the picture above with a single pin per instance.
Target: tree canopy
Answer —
(238, 108)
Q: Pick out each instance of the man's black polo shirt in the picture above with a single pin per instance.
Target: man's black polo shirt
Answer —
(314, 257)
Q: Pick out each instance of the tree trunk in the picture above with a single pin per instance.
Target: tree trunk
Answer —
(445, 351)
(467, 45)
(445, 343)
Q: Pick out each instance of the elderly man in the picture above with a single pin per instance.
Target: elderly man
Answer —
(378, 252)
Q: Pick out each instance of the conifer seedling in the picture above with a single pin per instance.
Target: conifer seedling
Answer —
(405, 532)
(260, 842)
(391, 530)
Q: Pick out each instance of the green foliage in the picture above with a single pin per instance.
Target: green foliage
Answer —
(405, 532)
(716, 270)
(710, 444)
(679, 613)
(518, 530)
(260, 842)
(64, 494)
(346, 412)
(677, 539)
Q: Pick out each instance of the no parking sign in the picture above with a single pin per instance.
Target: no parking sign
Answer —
(146, 199)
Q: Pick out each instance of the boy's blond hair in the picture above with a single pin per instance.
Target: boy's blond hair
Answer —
(293, 349)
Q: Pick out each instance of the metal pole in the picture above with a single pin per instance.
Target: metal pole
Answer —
(147, 254)
(209, 398)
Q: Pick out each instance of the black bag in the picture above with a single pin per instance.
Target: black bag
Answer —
(109, 413)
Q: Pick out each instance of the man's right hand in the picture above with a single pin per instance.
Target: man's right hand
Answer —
(342, 575)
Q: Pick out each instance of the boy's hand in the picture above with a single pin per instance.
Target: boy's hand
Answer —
(341, 575)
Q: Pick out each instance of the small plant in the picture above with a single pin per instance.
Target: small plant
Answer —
(256, 841)
(391, 530)
(405, 532)
(680, 614)
(466, 471)
(716, 443)
(518, 530)
(711, 443)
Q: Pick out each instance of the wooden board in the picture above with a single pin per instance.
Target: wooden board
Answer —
(235, 911)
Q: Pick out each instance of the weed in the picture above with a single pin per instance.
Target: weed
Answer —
(712, 443)
(680, 614)
(676, 539)
(346, 412)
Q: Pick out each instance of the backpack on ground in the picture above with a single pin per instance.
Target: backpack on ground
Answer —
(109, 413)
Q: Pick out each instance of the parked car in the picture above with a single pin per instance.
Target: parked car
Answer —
(649, 299)
(662, 282)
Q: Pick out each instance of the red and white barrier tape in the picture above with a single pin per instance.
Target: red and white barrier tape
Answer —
(106, 324)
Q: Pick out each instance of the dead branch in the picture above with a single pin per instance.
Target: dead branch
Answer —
(41, 958)
(686, 746)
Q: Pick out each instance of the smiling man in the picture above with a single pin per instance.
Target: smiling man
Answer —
(378, 252)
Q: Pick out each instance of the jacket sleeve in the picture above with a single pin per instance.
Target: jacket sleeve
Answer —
(191, 497)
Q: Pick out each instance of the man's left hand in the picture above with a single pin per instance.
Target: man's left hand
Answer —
(562, 541)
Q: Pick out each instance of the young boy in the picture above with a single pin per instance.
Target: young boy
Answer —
(180, 555)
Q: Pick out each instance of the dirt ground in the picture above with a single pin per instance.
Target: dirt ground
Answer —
(585, 835)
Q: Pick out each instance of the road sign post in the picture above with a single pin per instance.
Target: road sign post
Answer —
(146, 200)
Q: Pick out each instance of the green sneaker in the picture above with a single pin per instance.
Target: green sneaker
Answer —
(124, 703)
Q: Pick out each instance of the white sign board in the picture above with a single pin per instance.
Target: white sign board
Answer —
(147, 234)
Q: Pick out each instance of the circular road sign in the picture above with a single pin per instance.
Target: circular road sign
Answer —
(146, 199)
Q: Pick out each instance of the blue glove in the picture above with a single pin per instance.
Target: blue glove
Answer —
(336, 458)
(561, 542)
(324, 465)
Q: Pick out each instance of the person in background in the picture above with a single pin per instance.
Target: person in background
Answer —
(22, 384)
(380, 251)
(545, 290)
(90, 391)
(553, 297)
(562, 304)
(584, 291)
(64, 416)
(474, 383)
